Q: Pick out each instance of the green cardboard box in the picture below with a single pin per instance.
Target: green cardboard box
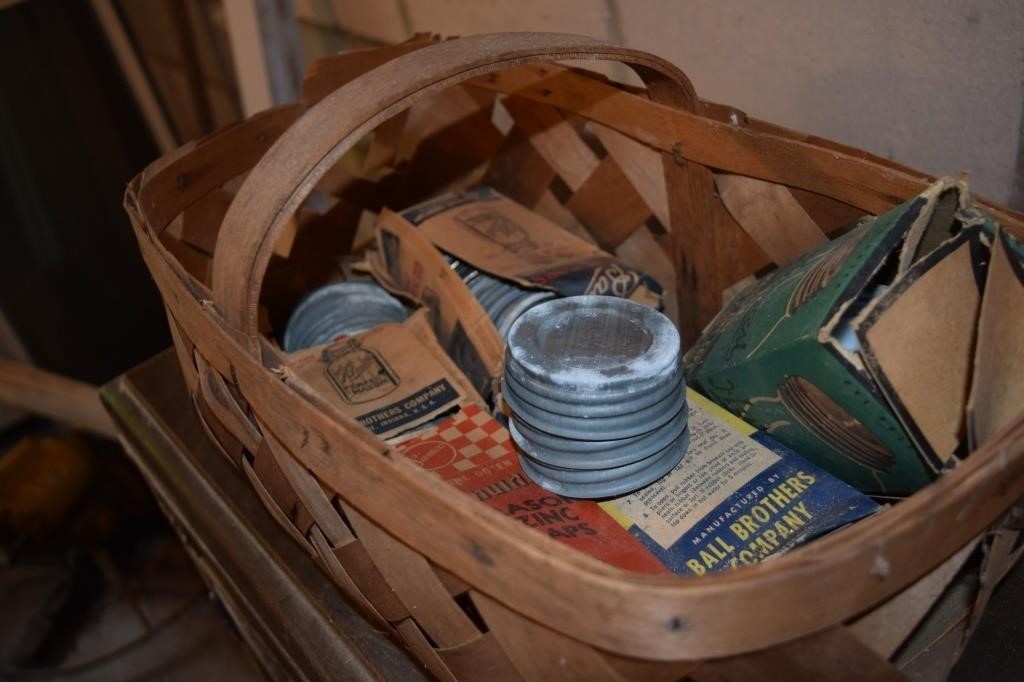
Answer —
(858, 355)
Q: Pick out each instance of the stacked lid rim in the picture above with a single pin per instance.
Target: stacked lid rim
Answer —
(598, 398)
(340, 309)
(503, 301)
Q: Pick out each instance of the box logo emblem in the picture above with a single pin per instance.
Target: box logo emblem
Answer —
(497, 228)
(359, 374)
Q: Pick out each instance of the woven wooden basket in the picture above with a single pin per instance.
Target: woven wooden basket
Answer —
(641, 171)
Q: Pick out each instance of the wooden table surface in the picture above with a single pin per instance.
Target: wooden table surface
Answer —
(296, 622)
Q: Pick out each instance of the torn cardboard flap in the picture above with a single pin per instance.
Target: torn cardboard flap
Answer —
(391, 379)
(940, 219)
(997, 389)
(917, 342)
(494, 234)
(410, 265)
(917, 337)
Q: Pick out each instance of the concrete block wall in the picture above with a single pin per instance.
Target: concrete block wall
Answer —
(936, 84)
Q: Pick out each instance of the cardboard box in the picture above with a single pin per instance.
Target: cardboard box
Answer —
(859, 354)
(997, 387)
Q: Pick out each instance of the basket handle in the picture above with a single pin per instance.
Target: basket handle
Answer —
(290, 169)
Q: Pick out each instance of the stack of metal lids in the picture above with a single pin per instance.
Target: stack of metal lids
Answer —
(337, 310)
(598, 399)
(503, 301)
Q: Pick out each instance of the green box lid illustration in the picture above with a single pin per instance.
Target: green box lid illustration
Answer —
(858, 354)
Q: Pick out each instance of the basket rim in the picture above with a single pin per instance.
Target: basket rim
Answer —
(661, 618)
(677, 621)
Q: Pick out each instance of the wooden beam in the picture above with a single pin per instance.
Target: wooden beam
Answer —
(243, 24)
(138, 82)
(52, 395)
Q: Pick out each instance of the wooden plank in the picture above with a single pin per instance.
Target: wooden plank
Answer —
(414, 639)
(771, 216)
(247, 54)
(549, 207)
(201, 220)
(199, 167)
(186, 62)
(885, 628)
(834, 655)
(642, 165)
(11, 349)
(310, 494)
(283, 52)
(539, 653)
(206, 23)
(55, 396)
(329, 558)
(827, 213)
(858, 179)
(711, 251)
(198, 97)
(330, 73)
(224, 407)
(643, 252)
(412, 579)
(519, 171)
(608, 205)
(139, 84)
(555, 140)
(480, 659)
